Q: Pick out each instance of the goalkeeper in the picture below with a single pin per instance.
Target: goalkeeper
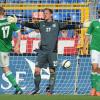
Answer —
(6, 30)
(49, 30)
(94, 31)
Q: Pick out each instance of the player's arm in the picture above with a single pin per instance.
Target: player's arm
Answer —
(70, 25)
(87, 37)
(31, 25)
(12, 19)
(17, 30)
(86, 41)
(16, 47)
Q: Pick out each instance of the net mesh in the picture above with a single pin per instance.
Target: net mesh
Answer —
(76, 79)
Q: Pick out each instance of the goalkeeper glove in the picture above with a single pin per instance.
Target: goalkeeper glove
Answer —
(86, 24)
(12, 19)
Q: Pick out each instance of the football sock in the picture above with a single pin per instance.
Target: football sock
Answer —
(11, 78)
(37, 81)
(98, 83)
(93, 79)
(52, 81)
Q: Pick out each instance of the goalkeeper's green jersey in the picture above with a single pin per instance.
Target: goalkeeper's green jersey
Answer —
(6, 31)
(94, 30)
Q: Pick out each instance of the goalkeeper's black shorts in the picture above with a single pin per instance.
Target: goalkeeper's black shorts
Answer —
(46, 59)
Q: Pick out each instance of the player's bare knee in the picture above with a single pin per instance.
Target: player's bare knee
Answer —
(37, 71)
(52, 70)
(94, 67)
(5, 69)
(99, 70)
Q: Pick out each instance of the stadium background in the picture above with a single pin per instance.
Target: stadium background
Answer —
(75, 80)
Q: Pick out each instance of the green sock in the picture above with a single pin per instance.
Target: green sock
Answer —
(98, 83)
(93, 79)
(11, 78)
(37, 81)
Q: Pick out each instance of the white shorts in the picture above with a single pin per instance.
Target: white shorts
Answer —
(95, 57)
(4, 59)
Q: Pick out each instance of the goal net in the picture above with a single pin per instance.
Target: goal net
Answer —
(76, 79)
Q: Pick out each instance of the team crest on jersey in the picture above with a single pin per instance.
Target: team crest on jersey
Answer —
(43, 25)
(54, 25)
(97, 27)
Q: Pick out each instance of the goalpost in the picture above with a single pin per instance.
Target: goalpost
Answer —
(76, 79)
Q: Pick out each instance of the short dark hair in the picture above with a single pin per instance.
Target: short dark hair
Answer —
(2, 11)
(50, 10)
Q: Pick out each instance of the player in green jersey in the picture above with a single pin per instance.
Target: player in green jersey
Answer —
(94, 31)
(6, 30)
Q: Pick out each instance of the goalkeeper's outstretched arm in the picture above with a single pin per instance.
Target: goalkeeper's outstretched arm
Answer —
(30, 25)
(13, 19)
(70, 25)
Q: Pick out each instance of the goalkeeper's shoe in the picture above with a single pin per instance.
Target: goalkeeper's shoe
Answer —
(48, 91)
(18, 92)
(34, 92)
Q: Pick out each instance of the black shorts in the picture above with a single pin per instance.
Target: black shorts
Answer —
(46, 58)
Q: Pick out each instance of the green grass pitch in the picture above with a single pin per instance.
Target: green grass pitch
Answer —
(45, 97)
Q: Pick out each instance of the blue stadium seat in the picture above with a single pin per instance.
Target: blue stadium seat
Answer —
(30, 1)
(1, 1)
(11, 12)
(49, 1)
(63, 16)
(44, 1)
(98, 6)
(63, 1)
(13, 1)
(55, 16)
(81, 1)
(73, 17)
(60, 17)
(71, 1)
(27, 13)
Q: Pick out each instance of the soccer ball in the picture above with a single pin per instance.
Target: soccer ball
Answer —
(66, 64)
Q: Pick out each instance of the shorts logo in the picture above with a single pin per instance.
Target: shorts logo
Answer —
(54, 25)
(97, 27)
(54, 63)
(43, 25)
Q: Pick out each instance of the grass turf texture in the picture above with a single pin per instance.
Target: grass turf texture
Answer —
(45, 97)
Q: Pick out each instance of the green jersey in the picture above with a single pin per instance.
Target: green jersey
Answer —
(94, 30)
(6, 30)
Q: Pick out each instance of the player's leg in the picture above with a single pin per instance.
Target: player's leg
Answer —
(37, 80)
(51, 84)
(52, 58)
(98, 83)
(94, 61)
(4, 61)
(41, 60)
(98, 77)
